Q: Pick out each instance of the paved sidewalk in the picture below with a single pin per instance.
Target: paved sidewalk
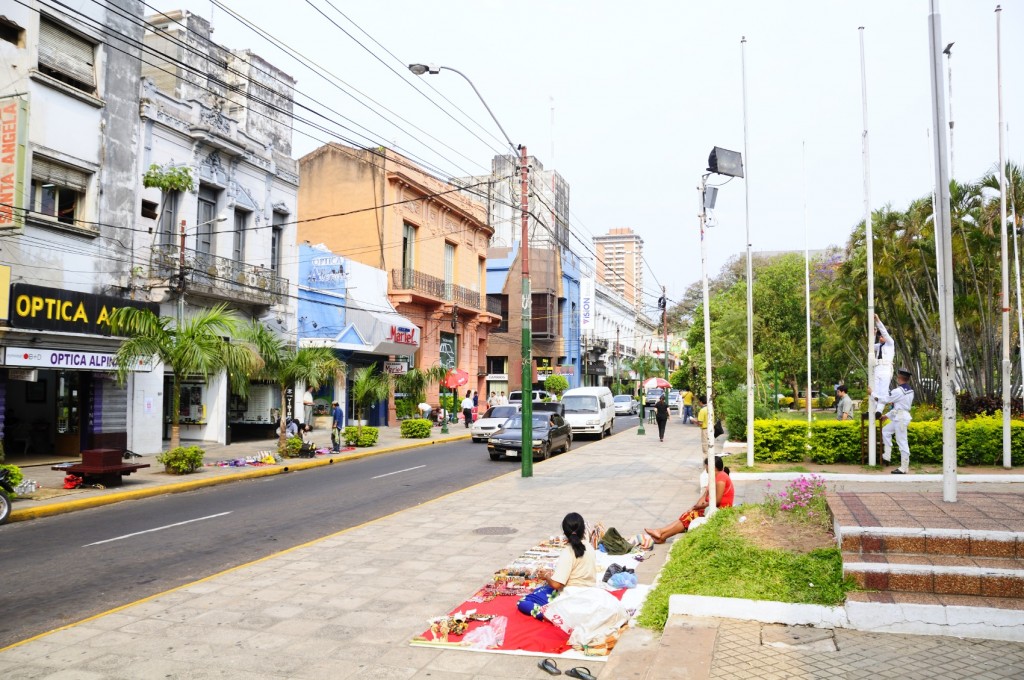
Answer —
(346, 606)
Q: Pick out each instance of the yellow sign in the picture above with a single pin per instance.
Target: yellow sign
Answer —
(13, 127)
(5, 292)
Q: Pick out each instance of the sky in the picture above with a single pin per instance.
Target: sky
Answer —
(626, 100)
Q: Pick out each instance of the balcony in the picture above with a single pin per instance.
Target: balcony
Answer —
(220, 277)
(432, 289)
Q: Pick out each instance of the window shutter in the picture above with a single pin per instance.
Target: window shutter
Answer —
(61, 175)
(63, 51)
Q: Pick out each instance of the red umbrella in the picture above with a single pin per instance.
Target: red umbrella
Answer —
(656, 382)
(456, 378)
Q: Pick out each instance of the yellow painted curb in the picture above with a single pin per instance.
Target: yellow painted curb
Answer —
(179, 487)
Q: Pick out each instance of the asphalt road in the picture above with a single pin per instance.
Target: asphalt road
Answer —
(58, 570)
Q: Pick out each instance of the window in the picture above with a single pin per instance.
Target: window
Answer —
(408, 246)
(66, 56)
(502, 326)
(449, 269)
(238, 236)
(57, 190)
(497, 365)
(169, 236)
(11, 32)
(276, 234)
(204, 221)
(149, 209)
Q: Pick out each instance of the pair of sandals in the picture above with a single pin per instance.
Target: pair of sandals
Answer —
(549, 666)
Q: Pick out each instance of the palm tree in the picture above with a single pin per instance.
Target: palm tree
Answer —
(286, 365)
(644, 365)
(196, 347)
(368, 387)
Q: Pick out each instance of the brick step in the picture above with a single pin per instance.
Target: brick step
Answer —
(933, 599)
(937, 574)
(954, 542)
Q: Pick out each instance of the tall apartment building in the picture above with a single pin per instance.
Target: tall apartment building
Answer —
(620, 264)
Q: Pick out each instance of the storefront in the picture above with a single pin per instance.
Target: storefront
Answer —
(59, 393)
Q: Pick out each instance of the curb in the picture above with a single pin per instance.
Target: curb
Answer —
(180, 487)
(876, 478)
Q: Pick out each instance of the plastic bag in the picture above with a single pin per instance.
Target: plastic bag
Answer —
(624, 579)
(487, 637)
(589, 615)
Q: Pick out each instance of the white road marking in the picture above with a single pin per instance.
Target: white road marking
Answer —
(176, 524)
(388, 474)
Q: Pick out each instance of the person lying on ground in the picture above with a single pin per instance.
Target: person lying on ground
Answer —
(724, 493)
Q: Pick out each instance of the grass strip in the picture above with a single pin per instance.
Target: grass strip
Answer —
(716, 561)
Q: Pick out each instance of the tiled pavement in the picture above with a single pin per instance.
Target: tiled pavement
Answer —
(973, 510)
(739, 653)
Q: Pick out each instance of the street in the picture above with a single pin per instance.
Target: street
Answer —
(65, 568)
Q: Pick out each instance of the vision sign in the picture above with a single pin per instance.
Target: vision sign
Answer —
(587, 306)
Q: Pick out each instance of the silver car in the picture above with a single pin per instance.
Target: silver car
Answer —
(491, 420)
(625, 404)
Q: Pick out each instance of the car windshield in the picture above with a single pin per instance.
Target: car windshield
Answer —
(654, 392)
(515, 396)
(624, 398)
(501, 412)
(580, 403)
(516, 422)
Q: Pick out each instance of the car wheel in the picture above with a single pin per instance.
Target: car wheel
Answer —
(600, 435)
(495, 455)
(568, 444)
(545, 451)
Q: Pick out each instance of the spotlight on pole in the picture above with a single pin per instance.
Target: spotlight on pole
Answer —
(725, 162)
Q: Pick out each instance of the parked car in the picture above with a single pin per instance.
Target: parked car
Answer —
(652, 395)
(516, 396)
(625, 404)
(550, 434)
(549, 407)
(674, 400)
(590, 410)
(491, 420)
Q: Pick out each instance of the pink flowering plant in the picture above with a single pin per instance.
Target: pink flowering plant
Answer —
(802, 500)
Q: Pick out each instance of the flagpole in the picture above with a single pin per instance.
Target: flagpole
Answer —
(1005, 299)
(869, 237)
(750, 271)
(807, 288)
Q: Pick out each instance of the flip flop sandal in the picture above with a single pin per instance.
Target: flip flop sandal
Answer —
(549, 666)
(581, 673)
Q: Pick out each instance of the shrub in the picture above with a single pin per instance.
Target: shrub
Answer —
(735, 412)
(3, 454)
(824, 402)
(834, 441)
(182, 460)
(786, 402)
(415, 428)
(292, 447)
(780, 441)
(803, 500)
(15, 473)
(406, 407)
(367, 438)
(924, 412)
(556, 384)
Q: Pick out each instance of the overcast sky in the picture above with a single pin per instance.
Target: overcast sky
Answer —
(642, 91)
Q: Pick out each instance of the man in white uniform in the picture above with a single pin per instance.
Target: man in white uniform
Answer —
(901, 398)
(885, 354)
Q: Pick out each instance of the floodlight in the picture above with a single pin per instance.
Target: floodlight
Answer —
(725, 162)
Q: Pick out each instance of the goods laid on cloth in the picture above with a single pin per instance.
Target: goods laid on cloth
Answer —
(489, 621)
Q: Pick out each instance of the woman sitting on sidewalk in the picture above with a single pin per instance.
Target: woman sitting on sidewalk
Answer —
(575, 567)
(724, 493)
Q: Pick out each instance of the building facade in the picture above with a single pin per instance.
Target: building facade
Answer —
(68, 189)
(378, 208)
(617, 335)
(620, 264)
(225, 117)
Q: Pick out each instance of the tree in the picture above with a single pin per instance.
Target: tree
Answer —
(556, 384)
(198, 347)
(286, 365)
(368, 387)
(644, 366)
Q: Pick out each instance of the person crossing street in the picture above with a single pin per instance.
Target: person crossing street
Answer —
(901, 398)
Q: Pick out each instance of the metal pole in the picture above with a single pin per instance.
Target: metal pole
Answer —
(527, 339)
(949, 81)
(1007, 456)
(1020, 311)
(807, 290)
(709, 431)
(664, 325)
(869, 237)
(181, 277)
(943, 222)
(750, 270)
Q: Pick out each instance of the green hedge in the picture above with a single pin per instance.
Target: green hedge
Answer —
(16, 476)
(416, 428)
(367, 438)
(979, 441)
(182, 460)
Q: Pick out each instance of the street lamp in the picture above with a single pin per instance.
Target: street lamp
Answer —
(730, 164)
(526, 453)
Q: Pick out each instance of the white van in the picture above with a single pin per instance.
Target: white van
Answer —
(589, 410)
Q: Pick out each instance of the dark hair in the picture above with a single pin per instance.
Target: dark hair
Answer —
(703, 399)
(574, 527)
(725, 470)
(841, 388)
(719, 465)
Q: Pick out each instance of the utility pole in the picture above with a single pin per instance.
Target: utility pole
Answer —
(181, 277)
(664, 327)
(1007, 455)
(869, 238)
(527, 337)
(709, 431)
(618, 360)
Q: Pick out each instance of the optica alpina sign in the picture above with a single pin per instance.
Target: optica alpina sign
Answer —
(35, 357)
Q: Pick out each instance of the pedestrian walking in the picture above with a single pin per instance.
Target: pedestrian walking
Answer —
(476, 399)
(687, 397)
(503, 400)
(337, 425)
(492, 400)
(307, 406)
(901, 398)
(467, 408)
(885, 354)
(702, 421)
(844, 407)
(661, 416)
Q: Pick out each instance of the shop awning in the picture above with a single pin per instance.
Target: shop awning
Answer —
(383, 332)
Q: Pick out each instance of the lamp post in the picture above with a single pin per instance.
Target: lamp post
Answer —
(728, 163)
(524, 206)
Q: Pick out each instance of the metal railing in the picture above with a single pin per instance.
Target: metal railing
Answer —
(411, 279)
(221, 277)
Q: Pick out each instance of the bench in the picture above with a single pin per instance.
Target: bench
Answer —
(102, 466)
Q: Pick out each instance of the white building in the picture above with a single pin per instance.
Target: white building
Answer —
(619, 335)
(226, 116)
